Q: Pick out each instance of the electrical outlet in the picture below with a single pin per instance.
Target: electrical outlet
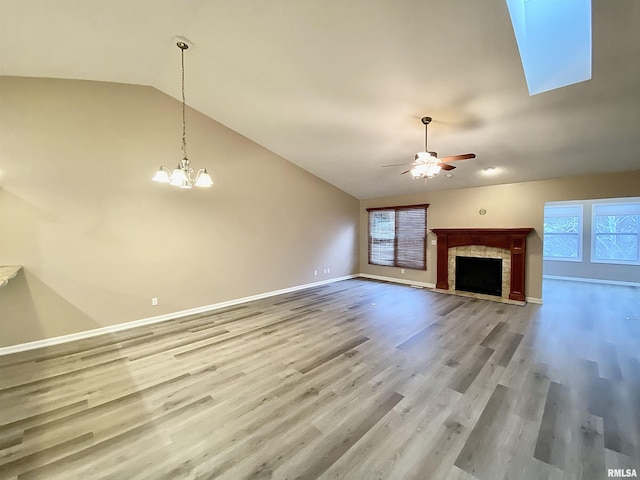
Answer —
(154, 301)
(402, 270)
(328, 270)
(433, 242)
(315, 273)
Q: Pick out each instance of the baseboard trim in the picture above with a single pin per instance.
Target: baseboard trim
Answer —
(535, 300)
(396, 280)
(592, 280)
(48, 342)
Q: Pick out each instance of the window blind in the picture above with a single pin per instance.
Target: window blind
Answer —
(397, 236)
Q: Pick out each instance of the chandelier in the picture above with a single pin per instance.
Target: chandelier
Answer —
(182, 175)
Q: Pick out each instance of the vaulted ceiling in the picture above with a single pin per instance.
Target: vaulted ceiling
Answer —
(339, 87)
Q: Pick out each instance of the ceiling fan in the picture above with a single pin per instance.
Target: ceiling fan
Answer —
(427, 164)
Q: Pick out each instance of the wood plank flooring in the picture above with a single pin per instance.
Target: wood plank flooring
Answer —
(355, 380)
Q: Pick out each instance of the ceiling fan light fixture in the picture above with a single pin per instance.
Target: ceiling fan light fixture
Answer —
(418, 170)
(425, 170)
(426, 156)
(427, 166)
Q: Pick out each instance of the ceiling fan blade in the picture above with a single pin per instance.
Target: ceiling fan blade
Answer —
(453, 158)
(444, 166)
(398, 164)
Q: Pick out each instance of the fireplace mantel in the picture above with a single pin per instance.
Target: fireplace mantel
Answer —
(512, 239)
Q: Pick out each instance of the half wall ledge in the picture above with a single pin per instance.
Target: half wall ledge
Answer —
(512, 239)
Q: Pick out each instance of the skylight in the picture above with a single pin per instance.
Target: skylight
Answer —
(554, 39)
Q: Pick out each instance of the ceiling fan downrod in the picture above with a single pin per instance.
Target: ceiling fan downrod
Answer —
(426, 121)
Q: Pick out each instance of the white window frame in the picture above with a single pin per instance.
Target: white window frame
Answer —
(565, 210)
(613, 209)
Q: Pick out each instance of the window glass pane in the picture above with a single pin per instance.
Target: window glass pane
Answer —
(616, 247)
(561, 245)
(383, 224)
(382, 252)
(562, 232)
(561, 225)
(617, 223)
(382, 227)
(616, 231)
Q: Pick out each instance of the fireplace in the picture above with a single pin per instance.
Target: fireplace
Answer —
(479, 275)
(506, 244)
(501, 256)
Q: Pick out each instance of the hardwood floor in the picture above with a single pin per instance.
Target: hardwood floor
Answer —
(357, 380)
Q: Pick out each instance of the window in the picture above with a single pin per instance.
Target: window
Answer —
(563, 232)
(615, 233)
(397, 236)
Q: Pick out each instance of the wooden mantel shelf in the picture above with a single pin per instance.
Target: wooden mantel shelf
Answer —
(7, 272)
(512, 239)
(488, 231)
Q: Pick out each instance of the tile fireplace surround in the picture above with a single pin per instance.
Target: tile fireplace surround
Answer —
(509, 244)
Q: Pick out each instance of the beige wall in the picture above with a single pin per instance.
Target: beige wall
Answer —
(507, 206)
(98, 239)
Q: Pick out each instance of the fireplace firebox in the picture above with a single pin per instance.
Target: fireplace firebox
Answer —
(479, 275)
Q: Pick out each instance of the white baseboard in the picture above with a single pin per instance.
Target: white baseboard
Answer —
(534, 300)
(47, 342)
(397, 280)
(592, 280)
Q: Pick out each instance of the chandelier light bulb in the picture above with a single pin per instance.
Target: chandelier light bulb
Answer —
(203, 179)
(178, 176)
(162, 175)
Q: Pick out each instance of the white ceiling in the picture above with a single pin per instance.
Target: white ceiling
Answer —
(338, 87)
